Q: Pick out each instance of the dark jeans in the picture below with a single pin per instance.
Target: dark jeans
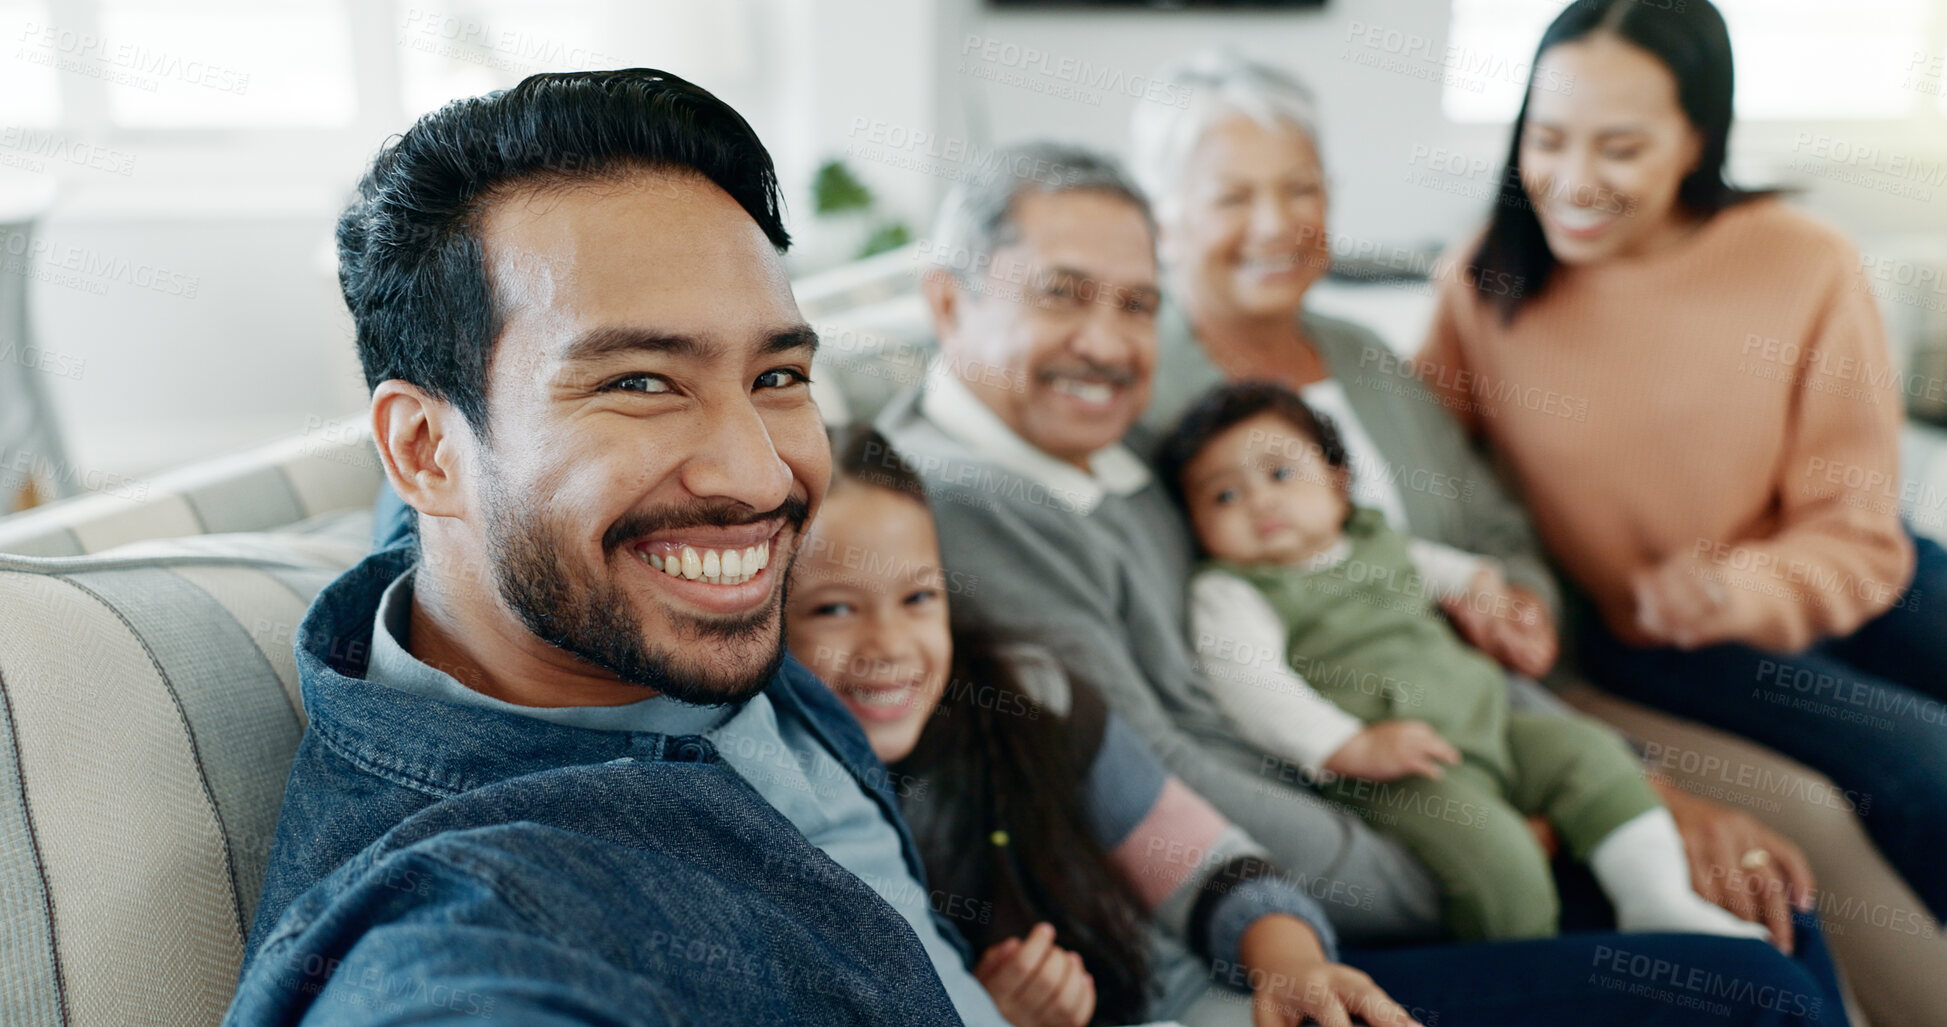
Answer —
(1865, 710)
(1595, 980)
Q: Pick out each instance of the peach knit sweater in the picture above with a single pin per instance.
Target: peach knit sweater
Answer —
(1730, 398)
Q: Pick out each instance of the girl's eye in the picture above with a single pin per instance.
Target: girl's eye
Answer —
(1226, 497)
(1629, 154)
(782, 377)
(1282, 472)
(648, 384)
(831, 610)
(924, 595)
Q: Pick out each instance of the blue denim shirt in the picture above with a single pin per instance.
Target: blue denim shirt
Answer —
(437, 860)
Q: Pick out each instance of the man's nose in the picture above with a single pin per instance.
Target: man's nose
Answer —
(735, 459)
(1103, 339)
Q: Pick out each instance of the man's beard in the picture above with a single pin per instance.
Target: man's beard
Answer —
(596, 620)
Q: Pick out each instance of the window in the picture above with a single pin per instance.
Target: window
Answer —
(30, 96)
(1796, 59)
(467, 47)
(226, 63)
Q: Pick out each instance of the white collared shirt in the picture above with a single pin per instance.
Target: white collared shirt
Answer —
(956, 411)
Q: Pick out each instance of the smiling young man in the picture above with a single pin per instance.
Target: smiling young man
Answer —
(558, 767)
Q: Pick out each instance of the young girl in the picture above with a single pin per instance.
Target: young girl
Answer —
(1417, 736)
(1040, 815)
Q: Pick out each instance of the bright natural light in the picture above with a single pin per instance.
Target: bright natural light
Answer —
(29, 92)
(1796, 59)
(227, 63)
(467, 47)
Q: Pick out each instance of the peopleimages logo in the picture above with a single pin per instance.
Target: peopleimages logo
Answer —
(1029, 60)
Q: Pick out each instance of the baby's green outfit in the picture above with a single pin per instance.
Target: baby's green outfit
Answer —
(1367, 634)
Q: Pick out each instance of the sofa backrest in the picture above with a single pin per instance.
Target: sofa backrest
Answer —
(149, 712)
(329, 467)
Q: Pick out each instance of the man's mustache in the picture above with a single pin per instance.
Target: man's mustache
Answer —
(794, 511)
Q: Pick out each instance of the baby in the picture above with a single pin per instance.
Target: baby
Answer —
(1304, 593)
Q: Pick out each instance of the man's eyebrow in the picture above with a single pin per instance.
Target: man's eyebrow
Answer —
(605, 340)
(795, 337)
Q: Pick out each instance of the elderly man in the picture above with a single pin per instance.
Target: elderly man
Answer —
(558, 767)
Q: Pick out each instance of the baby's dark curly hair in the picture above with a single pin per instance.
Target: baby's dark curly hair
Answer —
(1227, 406)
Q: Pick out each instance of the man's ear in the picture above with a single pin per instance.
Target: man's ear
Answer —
(942, 293)
(420, 440)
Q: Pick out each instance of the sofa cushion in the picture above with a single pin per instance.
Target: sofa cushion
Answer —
(149, 712)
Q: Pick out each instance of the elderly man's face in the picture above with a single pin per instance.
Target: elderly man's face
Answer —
(654, 451)
(1058, 336)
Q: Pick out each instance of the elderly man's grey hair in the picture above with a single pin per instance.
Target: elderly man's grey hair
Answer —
(977, 216)
(1220, 85)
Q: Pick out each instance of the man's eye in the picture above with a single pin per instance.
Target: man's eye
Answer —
(782, 377)
(644, 383)
(1628, 154)
(923, 595)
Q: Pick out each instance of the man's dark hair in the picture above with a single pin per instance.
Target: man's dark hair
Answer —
(410, 259)
(1227, 406)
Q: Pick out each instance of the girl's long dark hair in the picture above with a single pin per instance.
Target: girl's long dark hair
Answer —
(1691, 40)
(993, 791)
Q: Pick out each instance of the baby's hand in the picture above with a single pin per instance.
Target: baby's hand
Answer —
(1506, 622)
(1393, 749)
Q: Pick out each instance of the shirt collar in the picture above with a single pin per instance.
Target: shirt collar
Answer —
(956, 411)
(392, 665)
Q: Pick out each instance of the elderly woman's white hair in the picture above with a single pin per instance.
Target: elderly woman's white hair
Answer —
(1221, 84)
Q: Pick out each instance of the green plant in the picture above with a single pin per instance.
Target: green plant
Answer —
(835, 190)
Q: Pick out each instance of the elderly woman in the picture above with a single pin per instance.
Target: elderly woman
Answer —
(1240, 199)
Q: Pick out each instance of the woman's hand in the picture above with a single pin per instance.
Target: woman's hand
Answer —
(1682, 603)
(1722, 844)
(1036, 983)
(1392, 749)
(1291, 981)
(1507, 622)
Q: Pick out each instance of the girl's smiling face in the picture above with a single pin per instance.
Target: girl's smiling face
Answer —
(868, 614)
(1262, 491)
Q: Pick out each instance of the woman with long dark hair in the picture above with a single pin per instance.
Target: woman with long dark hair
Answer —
(1693, 389)
(1096, 886)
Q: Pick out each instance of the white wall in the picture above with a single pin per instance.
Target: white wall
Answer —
(263, 348)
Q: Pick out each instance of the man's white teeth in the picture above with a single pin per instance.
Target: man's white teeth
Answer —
(717, 567)
(1087, 392)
